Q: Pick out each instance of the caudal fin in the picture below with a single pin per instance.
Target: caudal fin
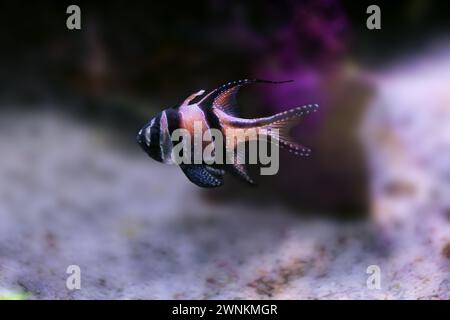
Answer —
(279, 126)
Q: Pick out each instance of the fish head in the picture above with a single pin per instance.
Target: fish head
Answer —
(148, 138)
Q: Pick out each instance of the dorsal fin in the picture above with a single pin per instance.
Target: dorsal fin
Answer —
(188, 100)
(224, 97)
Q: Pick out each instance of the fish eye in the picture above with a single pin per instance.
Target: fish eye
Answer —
(154, 130)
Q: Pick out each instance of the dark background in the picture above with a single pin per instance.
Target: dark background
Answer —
(134, 58)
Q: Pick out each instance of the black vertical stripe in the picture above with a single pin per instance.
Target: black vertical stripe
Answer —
(154, 148)
(212, 120)
(173, 119)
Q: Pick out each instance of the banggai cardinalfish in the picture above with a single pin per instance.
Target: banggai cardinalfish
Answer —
(217, 110)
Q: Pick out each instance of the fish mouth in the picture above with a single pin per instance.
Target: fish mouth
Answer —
(140, 138)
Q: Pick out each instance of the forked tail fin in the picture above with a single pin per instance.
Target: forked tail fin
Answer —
(279, 126)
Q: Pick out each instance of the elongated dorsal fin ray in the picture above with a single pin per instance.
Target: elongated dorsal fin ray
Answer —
(224, 97)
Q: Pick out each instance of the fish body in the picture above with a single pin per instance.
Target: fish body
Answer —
(217, 110)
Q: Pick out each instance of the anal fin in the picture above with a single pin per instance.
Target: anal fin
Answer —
(239, 167)
(240, 171)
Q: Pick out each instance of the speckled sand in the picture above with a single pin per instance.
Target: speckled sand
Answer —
(138, 229)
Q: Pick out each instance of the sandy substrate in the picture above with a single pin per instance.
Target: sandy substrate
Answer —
(138, 229)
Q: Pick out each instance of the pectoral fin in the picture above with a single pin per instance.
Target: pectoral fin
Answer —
(202, 175)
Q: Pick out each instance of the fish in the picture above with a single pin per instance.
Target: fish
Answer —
(218, 110)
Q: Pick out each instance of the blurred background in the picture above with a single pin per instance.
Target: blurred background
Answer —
(77, 189)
